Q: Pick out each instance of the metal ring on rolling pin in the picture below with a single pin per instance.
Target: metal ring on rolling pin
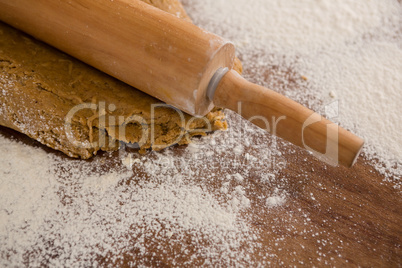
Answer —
(213, 84)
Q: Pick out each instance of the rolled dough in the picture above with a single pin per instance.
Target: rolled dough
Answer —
(43, 88)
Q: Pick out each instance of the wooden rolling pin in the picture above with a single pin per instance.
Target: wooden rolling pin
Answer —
(176, 62)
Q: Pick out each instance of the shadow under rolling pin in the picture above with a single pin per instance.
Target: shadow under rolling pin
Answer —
(174, 61)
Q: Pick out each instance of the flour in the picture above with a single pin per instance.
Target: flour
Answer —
(292, 27)
(81, 211)
(85, 214)
(346, 51)
(275, 200)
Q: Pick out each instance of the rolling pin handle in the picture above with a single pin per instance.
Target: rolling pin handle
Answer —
(286, 118)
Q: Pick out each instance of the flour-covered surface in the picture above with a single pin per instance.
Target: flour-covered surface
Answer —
(241, 197)
(181, 206)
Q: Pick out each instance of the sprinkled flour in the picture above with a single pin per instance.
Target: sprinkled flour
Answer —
(277, 199)
(71, 213)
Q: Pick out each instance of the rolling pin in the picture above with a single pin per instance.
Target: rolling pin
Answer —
(176, 62)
